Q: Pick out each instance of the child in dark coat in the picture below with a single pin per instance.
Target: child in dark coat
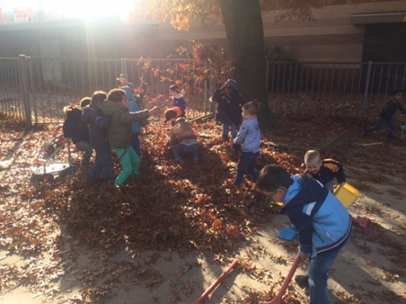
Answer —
(76, 130)
(98, 123)
(229, 105)
(386, 119)
(119, 133)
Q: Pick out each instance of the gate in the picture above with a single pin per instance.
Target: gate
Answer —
(14, 89)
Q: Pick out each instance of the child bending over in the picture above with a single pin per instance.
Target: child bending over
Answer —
(323, 223)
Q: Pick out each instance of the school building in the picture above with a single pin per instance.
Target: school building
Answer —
(336, 33)
(373, 30)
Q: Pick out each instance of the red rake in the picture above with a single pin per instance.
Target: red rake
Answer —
(278, 298)
(204, 296)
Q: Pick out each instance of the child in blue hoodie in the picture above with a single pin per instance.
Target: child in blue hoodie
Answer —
(133, 106)
(324, 224)
(177, 98)
(249, 141)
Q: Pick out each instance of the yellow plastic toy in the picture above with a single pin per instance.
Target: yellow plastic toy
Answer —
(346, 194)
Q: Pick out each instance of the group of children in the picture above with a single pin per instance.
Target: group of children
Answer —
(113, 120)
(106, 122)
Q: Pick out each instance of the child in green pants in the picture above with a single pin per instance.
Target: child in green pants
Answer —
(119, 133)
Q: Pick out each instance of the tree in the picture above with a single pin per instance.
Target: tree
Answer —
(244, 29)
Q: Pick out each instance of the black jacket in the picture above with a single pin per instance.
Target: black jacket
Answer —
(229, 107)
(390, 109)
(73, 126)
(98, 124)
(330, 169)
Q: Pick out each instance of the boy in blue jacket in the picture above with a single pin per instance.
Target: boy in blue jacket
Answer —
(248, 140)
(324, 224)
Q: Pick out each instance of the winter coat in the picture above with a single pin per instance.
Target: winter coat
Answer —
(322, 221)
(73, 126)
(228, 107)
(133, 105)
(390, 109)
(182, 132)
(179, 101)
(98, 124)
(119, 131)
(249, 135)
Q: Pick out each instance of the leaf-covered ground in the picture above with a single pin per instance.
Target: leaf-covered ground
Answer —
(71, 242)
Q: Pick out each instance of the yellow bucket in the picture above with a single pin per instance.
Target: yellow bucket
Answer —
(346, 194)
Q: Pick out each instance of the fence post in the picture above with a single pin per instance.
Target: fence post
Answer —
(267, 74)
(366, 88)
(206, 95)
(123, 66)
(23, 62)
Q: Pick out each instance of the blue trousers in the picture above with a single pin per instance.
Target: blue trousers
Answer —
(180, 150)
(320, 266)
(246, 166)
(227, 127)
(103, 168)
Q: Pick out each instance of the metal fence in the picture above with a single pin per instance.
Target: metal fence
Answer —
(332, 88)
(13, 100)
(35, 89)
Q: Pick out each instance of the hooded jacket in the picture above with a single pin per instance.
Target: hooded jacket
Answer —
(73, 126)
(119, 131)
(98, 124)
(322, 221)
(182, 132)
(249, 135)
(228, 106)
(133, 105)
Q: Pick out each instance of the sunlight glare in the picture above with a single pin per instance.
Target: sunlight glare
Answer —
(84, 9)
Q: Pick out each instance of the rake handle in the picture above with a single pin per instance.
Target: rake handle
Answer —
(203, 297)
(278, 298)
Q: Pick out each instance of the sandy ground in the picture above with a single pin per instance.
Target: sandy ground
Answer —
(371, 268)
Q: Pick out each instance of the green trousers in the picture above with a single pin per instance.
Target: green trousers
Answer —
(129, 163)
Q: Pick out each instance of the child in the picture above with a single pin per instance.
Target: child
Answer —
(387, 116)
(76, 130)
(119, 132)
(325, 171)
(324, 224)
(133, 106)
(249, 139)
(98, 123)
(177, 98)
(174, 112)
(182, 137)
(228, 107)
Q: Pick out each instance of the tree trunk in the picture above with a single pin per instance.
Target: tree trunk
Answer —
(244, 29)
